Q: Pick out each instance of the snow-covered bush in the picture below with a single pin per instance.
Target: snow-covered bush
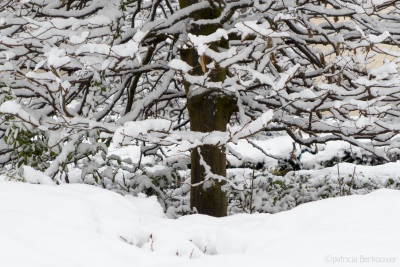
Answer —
(297, 161)
(262, 191)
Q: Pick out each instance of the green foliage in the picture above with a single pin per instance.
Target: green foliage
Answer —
(28, 147)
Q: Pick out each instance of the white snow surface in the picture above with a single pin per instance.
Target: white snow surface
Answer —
(33, 176)
(11, 107)
(380, 172)
(82, 225)
(178, 64)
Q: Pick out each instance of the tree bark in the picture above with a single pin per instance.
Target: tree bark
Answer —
(207, 114)
(210, 114)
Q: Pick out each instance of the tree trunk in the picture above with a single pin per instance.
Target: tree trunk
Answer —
(207, 114)
(210, 114)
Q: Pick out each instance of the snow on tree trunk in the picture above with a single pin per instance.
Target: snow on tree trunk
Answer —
(207, 114)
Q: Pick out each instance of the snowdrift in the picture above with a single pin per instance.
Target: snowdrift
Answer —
(82, 225)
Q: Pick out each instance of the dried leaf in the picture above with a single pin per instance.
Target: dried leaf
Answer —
(203, 63)
(310, 35)
(272, 57)
(337, 48)
(322, 59)
(245, 38)
(339, 80)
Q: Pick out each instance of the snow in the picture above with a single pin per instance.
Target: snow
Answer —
(137, 128)
(126, 50)
(6, 66)
(279, 147)
(82, 225)
(252, 127)
(379, 39)
(10, 107)
(99, 20)
(77, 39)
(379, 2)
(206, 39)
(200, 41)
(178, 64)
(138, 37)
(33, 176)
(389, 68)
(381, 173)
(281, 16)
(70, 72)
(69, 226)
(57, 58)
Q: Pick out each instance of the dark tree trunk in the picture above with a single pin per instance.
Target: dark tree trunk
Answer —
(210, 114)
(207, 113)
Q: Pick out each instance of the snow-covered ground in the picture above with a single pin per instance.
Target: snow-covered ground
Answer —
(80, 225)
